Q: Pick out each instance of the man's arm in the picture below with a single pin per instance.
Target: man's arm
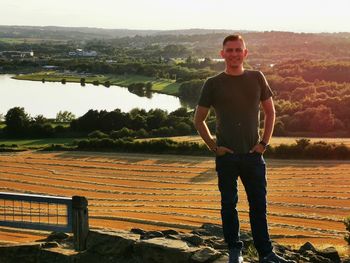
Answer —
(269, 122)
(199, 123)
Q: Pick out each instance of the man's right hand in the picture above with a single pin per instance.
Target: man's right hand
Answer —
(221, 150)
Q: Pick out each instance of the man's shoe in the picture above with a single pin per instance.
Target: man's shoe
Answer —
(274, 258)
(235, 255)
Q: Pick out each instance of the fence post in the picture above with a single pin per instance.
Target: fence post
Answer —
(80, 222)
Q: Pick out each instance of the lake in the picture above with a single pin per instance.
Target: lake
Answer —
(51, 97)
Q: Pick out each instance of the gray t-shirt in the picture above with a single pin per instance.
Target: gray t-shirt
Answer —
(236, 101)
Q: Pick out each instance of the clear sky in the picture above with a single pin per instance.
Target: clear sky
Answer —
(284, 15)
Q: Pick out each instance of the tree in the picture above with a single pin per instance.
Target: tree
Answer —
(156, 118)
(17, 121)
(2, 117)
(40, 120)
(64, 116)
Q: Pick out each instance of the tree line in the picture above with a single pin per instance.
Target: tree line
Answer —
(137, 123)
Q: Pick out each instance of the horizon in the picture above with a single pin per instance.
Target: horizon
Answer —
(271, 15)
(180, 29)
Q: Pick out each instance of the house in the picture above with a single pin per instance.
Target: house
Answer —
(17, 54)
(81, 53)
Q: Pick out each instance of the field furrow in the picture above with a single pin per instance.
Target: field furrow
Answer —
(307, 200)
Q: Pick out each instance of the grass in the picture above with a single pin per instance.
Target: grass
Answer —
(40, 143)
(274, 141)
(166, 86)
(37, 142)
(13, 40)
(28, 40)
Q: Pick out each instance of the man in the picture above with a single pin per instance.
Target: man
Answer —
(236, 95)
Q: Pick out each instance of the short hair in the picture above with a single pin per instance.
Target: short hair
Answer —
(233, 38)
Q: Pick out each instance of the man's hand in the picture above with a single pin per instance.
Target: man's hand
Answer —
(221, 150)
(259, 148)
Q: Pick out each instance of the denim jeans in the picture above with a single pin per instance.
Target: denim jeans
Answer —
(251, 169)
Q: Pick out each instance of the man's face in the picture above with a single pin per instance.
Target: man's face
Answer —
(234, 53)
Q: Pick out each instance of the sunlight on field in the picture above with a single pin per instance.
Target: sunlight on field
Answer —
(307, 200)
(274, 141)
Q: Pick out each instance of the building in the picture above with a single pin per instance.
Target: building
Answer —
(17, 54)
(81, 53)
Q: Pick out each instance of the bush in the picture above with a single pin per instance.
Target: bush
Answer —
(183, 129)
(97, 134)
(124, 132)
(141, 133)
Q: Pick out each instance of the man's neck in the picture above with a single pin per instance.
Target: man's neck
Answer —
(234, 71)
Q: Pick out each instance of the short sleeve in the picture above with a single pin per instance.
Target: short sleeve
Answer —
(205, 98)
(265, 90)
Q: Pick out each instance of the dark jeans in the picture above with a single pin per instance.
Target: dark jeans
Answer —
(252, 171)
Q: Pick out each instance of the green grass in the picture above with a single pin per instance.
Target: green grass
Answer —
(37, 142)
(12, 40)
(28, 40)
(166, 86)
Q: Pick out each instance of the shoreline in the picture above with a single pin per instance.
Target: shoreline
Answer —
(161, 86)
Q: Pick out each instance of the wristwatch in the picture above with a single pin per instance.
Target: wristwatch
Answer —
(264, 144)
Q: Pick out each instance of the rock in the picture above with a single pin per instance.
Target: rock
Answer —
(221, 259)
(330, 253)
(176, 237)
(138, 231)
(23, 253)
(57, 236)
(192, 239)
(307, 247)
(200, 232)
(319, 259)
(245, 237)
(50, 244)
(168, 246)
(170, 232)
(152, 234)
(213, 229)
(206, 254)
(160, 250)
(118, 243)
(51, 256)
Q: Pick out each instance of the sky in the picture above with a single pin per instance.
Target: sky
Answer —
(259, 15)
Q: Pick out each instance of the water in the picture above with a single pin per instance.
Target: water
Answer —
(51, 97)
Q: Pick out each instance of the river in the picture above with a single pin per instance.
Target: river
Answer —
(51, 97)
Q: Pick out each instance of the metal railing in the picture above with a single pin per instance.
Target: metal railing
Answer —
(49, 213)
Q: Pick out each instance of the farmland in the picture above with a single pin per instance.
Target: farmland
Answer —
(275, 141)
(307, 200)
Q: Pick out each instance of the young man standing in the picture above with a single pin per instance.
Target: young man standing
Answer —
(236, 95)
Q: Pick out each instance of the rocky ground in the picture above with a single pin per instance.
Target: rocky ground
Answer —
(202, 245)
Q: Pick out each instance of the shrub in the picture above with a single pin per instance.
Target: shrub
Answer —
(97, 134)
(124, 132)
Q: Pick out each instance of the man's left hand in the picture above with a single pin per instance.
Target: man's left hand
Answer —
(258, 148)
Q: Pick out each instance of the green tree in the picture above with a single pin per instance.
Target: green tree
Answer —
(64, 116)
(17, 121)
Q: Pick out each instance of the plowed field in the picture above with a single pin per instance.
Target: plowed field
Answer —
(307, 200)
